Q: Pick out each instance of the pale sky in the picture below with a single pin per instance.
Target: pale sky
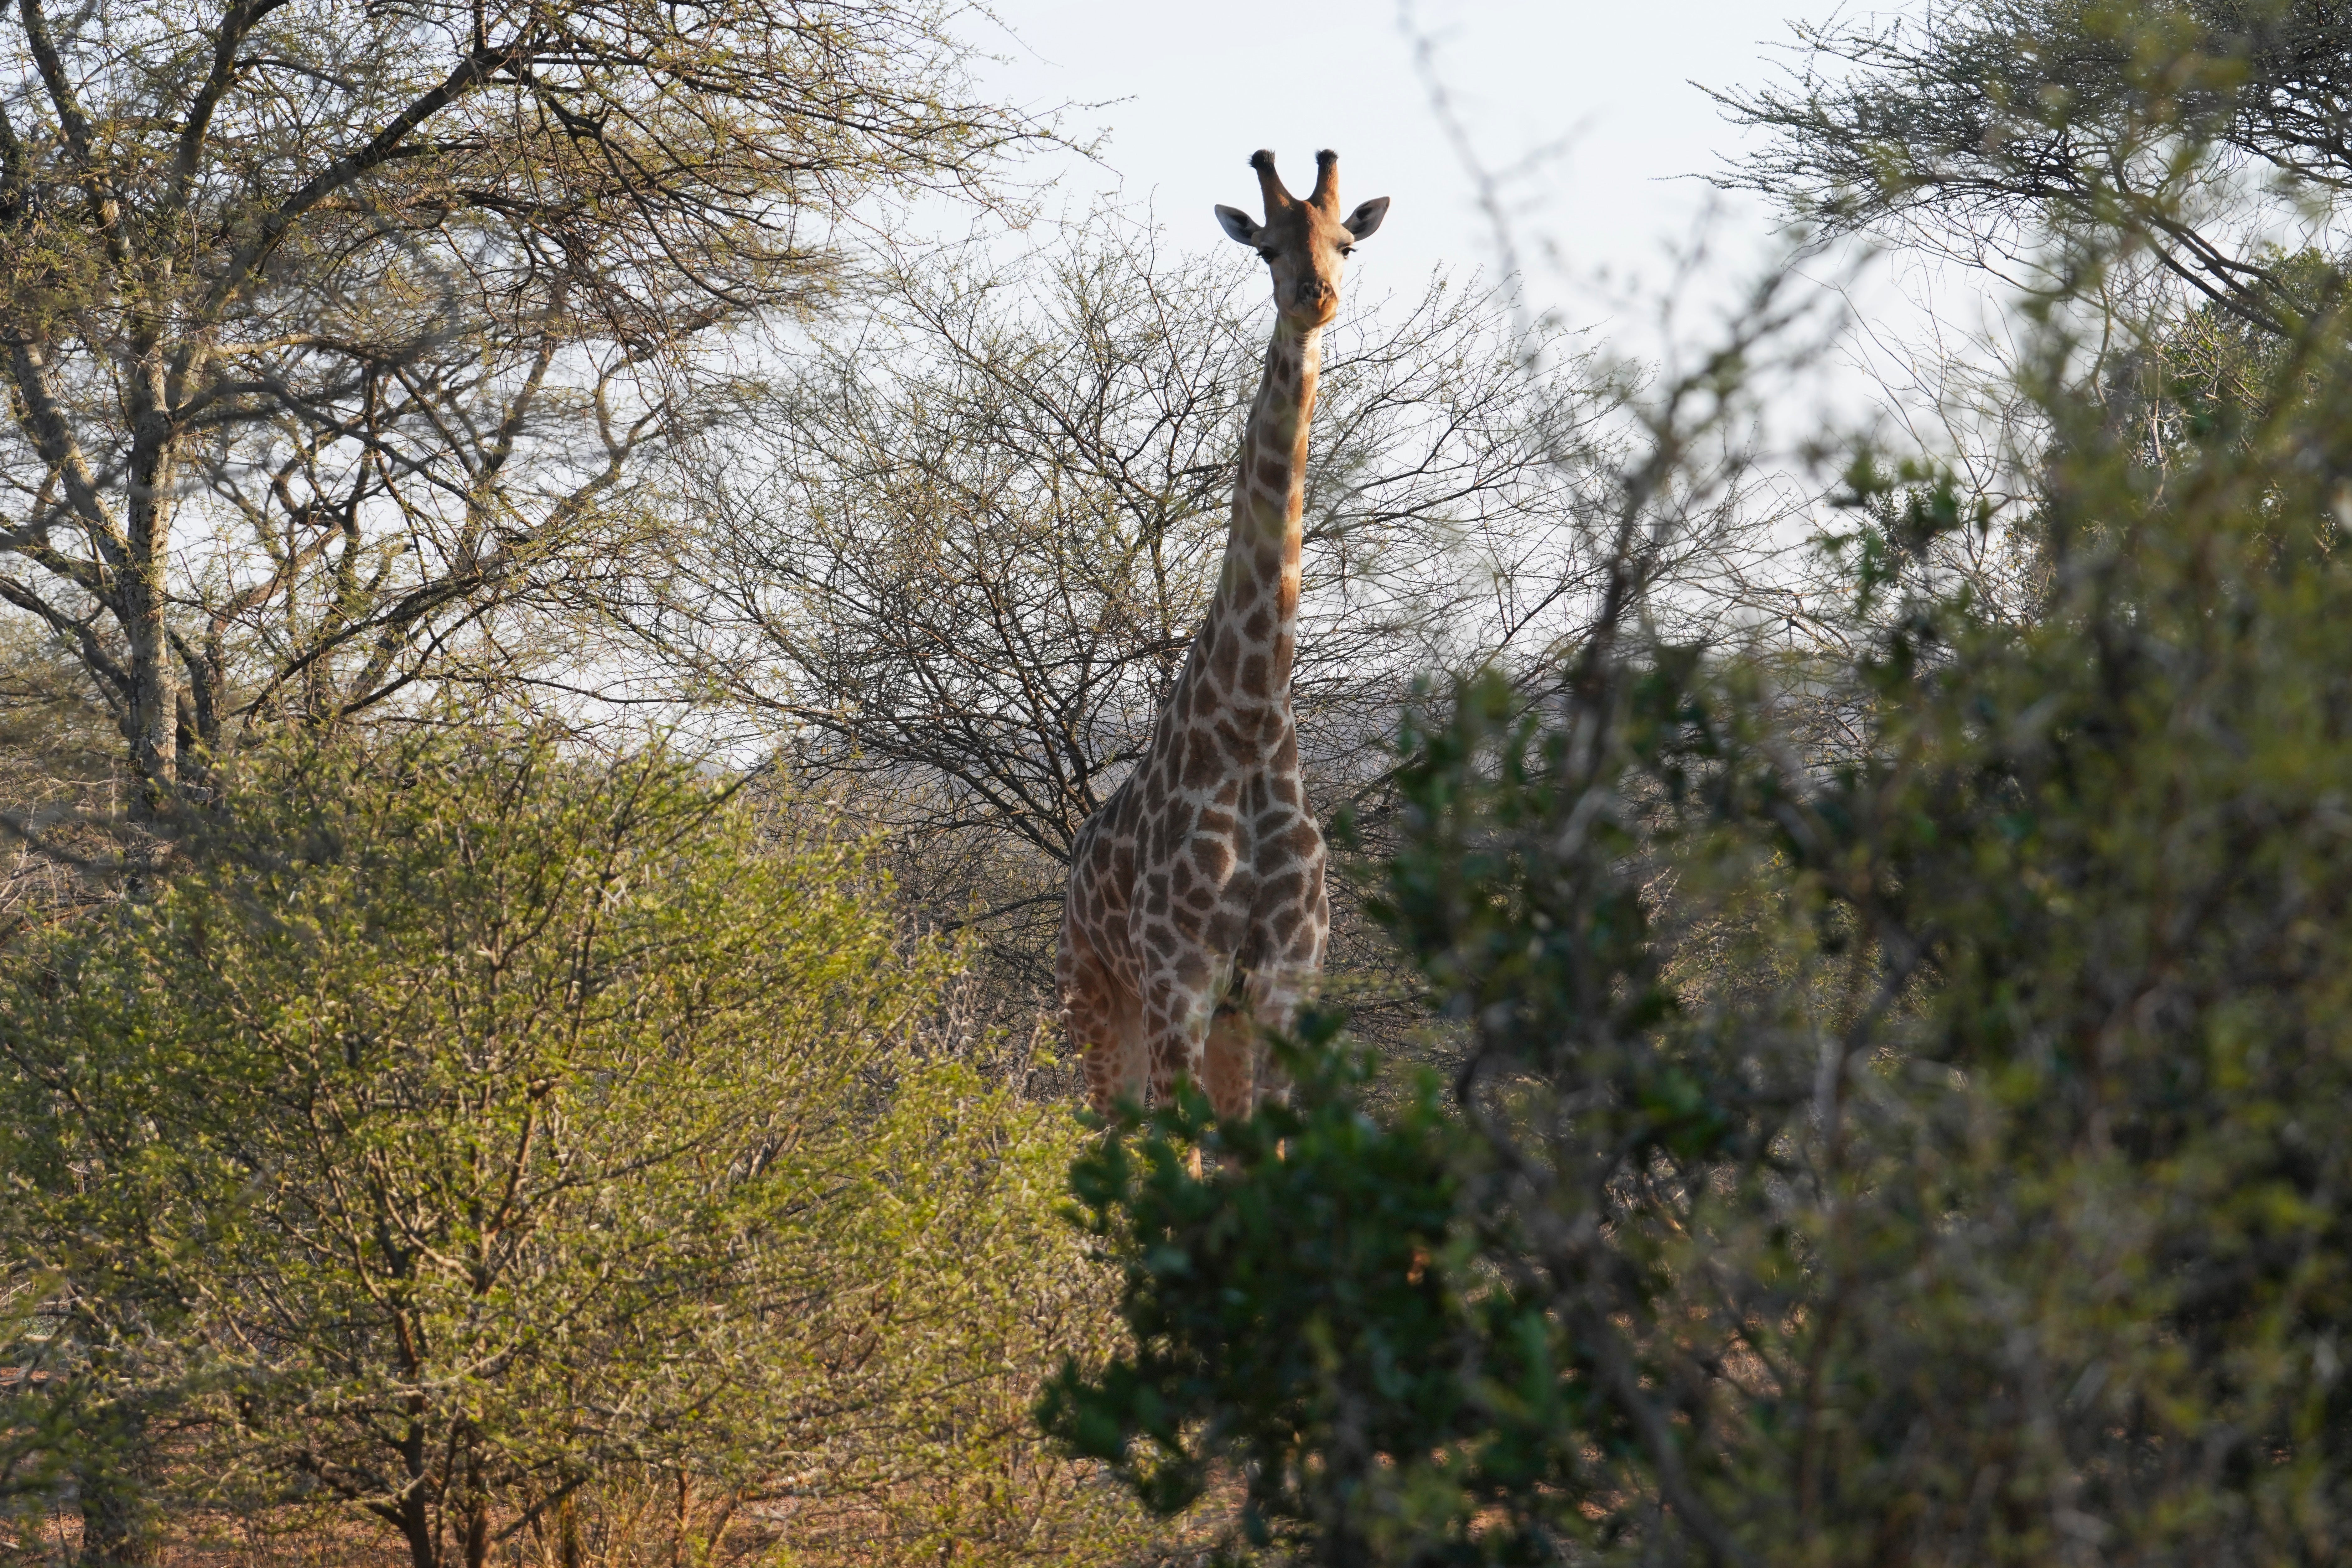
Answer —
(1187, 88)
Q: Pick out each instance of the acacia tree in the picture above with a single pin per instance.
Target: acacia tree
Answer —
(332, 328)
(2195, 129)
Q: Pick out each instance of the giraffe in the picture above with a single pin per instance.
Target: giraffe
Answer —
(1196, 911)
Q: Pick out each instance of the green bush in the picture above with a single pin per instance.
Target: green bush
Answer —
(465, 1125)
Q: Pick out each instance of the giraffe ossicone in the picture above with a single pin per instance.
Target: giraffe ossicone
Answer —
(1196, 915)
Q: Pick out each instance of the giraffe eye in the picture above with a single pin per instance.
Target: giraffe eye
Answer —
(1347, 250)
(1266, 251)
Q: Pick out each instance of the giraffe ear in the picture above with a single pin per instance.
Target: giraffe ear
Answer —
(1237, 223)
(1366, 218)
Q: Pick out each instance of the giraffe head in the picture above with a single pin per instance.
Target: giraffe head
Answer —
(1306, 242)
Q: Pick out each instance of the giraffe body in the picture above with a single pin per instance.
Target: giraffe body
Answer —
(1197, 913)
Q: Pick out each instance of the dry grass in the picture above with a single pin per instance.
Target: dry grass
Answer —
(1057, 1514)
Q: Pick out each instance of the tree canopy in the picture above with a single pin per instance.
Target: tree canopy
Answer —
(951, 556)
(335, 328)
(2198, 127)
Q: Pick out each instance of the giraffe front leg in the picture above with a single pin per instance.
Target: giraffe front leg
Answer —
(1178, 1003)
(1275, 994)
(1294, 934)
(1104, 1026)
(1178, 1013)
(1230, 1058)
(1114, 1057)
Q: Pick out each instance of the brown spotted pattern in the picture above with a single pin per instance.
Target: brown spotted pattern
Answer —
(1196, 913)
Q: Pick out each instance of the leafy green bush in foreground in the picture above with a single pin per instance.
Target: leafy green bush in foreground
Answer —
(465, 1126)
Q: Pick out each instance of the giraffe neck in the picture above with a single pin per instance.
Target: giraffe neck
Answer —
(1256, 602)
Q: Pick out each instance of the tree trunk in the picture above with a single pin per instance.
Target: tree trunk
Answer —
(567, 1535)
(153, 717)
(417, 1529)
